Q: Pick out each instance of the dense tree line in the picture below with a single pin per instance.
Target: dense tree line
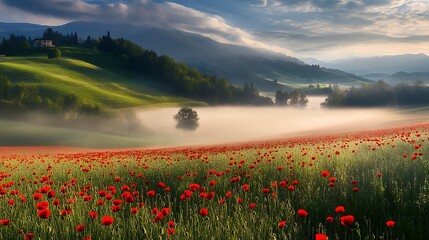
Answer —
(59, 39)
(25, 96)
(179, 77)
(17, 44)
(294, 98)
(14, 44)
(379, 94)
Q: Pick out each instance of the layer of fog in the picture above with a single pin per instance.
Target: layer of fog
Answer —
(155, 127)
(237, 124)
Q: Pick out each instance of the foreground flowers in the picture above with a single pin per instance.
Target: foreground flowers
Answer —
(299, 187)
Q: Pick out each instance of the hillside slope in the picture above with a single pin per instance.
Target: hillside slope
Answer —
(92, 83)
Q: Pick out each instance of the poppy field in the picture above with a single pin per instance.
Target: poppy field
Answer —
(370, 185)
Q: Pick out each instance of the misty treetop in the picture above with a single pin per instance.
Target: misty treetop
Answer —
(295, 98)
(379, 94)
(187, 119)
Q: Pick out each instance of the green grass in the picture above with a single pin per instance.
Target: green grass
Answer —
(104, 84)
(21, 133)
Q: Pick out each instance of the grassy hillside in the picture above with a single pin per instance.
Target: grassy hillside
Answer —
(93, 82)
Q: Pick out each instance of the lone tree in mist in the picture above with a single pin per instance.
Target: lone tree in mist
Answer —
(187, 119)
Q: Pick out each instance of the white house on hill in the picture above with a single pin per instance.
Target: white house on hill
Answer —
(44, 43)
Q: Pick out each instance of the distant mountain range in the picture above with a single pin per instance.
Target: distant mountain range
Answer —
(267, 70)
(385, 64)
(394, 69)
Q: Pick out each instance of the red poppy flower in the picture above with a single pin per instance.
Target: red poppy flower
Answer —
(42, 205)
(325, 174)
(117, 202)
(252, 205)
(281, 224)
(37, 196)
(194, 186)
(93, 215)
(4, 222)
(107, 220)
(87, 198)
(347, 220)
(170, 231)
(116, 208)
(204, 212)
(155, 210)
(158, 217)
(80, 228)
(302, 213)
(320, 236)
(170, 224)
(340, 209)
(228, 194)
(329, 219)
(212, 183)
(151, 193)
(134, 210)
(246, 187)
(390, 224)
(44, 213)
(165, 211)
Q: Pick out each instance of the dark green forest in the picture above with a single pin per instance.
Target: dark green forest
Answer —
(379, 94)
(183, 80)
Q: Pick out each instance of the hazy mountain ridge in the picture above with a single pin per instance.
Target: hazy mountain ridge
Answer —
(389, 64)
(400, 77)
(236, 63)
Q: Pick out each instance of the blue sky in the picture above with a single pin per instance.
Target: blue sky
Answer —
(323, 29)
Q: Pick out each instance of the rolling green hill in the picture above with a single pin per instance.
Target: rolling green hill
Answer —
(97, 82)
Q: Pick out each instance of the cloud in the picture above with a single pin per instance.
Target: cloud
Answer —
(144, 13)
(323, 28)
(330, 28)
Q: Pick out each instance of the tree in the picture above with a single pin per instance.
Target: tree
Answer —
(281, 97)
(131, 121)
(54, 53)
(187, 119)
(298, 98)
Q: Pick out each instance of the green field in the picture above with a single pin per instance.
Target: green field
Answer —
(90, 75)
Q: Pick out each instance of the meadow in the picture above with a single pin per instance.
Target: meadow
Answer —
(368, 185)
(92, 76)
